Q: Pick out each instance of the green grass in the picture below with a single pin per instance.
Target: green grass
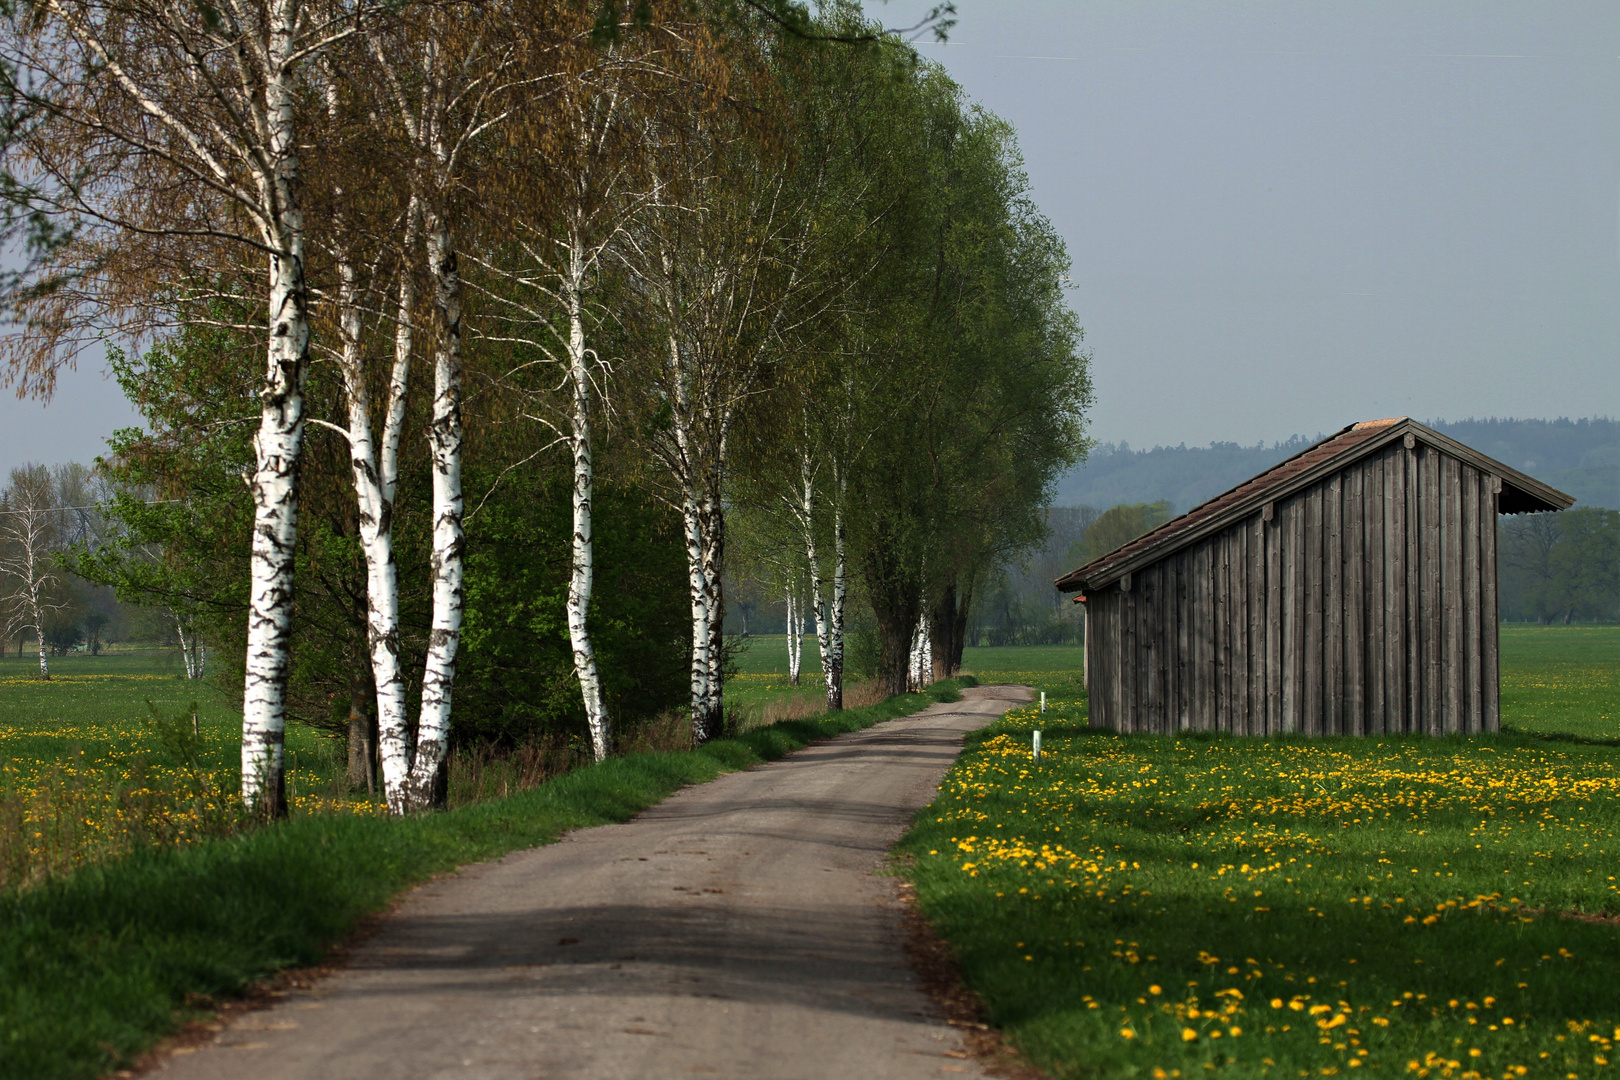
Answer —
(1056, 669)
(100, 708)
(1562, 679)
(1155, 907)
(97, 965)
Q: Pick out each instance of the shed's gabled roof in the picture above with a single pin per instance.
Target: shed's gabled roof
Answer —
(1520, 495)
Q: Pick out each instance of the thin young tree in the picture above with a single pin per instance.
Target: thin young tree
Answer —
(31, 533)
(584, 164)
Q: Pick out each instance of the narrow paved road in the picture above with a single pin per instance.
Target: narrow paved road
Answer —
(738, 929)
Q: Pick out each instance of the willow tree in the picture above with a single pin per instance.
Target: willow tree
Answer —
(963, 451)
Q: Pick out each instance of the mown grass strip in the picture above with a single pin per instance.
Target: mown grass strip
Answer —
(1287, 908)
(98, 965)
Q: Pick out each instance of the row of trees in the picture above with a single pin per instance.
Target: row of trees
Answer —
(1561, 567)
(672, 268)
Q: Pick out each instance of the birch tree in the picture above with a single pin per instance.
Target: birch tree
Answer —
(700, 253)
(372, 238)
(447, 74)
(168, 128)
(583, 156)
(31, 530)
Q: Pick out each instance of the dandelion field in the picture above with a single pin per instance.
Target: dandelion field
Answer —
(1159, 907)
(105, 757)
(119, 752)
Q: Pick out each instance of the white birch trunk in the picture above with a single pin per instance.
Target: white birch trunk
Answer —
(792, 638)
(701, 616)
(818, 602)
(279, 441)
(922, 654)
(834, 665)
(377, 542)
(713, 539)
(374, 484)
(583, 580)
(186, 657)
(444, 440)
(37, 612)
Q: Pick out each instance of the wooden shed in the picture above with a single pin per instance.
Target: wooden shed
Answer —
(1350, 590)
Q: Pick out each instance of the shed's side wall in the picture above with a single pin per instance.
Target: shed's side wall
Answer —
(1365, 606)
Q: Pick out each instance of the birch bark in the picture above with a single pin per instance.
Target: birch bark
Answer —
(792, 637)
(444, 443)
(806, 513)
(835, 616)
(374, 470)
(583, 578)
(714, 547)
(377, 542)
(185, 646)
(702, 729)
(279, 440)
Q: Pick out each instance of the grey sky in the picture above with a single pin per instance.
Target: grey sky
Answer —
(1287, 216)
(1283, 216)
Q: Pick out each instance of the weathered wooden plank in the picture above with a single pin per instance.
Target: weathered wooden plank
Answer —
(1208, 672)
(1155, 645)
(1451, 593)
(1355, 670)
(1120, 722)
(1491, 630)
(1130, 665)
(1296, 557)
(1315, 583)
(1473, 720)
(1333, 607)
(1176, 694)
(1236, 577)
(1193, 682)
(1415, 659)
(1275, 656)
(1255, 579)
(1397, 524)
(1141, 601)
(1430, 618)
(1376, 584)
(1223, 632)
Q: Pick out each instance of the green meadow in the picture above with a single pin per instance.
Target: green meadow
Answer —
(1162, 907)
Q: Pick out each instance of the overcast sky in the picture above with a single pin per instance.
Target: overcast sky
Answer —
(1283, 216)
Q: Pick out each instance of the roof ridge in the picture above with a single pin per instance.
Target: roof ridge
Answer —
(1256, 481)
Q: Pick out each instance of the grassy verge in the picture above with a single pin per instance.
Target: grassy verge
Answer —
(1158, 907)
(97, 965)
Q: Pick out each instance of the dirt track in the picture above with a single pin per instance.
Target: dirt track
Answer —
(738, 929)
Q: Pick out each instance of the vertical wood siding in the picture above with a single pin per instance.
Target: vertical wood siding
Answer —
(1366, 605)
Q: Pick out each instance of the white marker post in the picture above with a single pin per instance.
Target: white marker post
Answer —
(1037, 746)
(1043, 701)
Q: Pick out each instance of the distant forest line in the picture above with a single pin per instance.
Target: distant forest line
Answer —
(1580, 457)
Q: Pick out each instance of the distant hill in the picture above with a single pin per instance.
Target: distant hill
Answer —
(1581, 457)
